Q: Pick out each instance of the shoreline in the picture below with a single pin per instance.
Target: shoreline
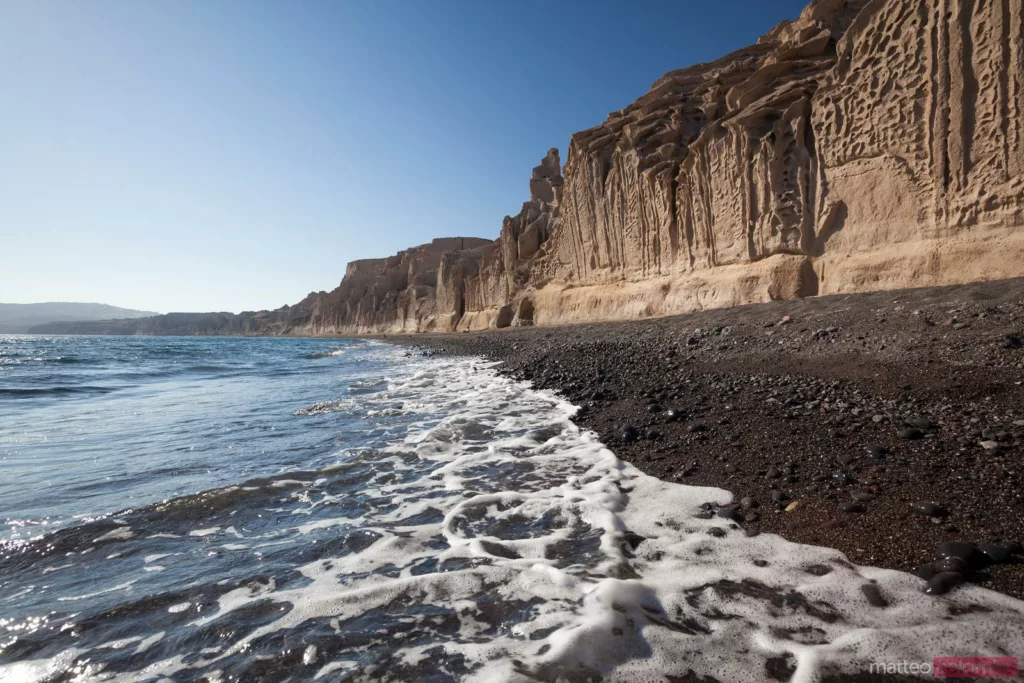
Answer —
(880, 424)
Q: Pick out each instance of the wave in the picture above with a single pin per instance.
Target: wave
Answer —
(333, 353)
(54, 391)
(486, 538)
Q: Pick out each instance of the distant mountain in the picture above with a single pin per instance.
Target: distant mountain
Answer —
(284, 320)
(20, 318)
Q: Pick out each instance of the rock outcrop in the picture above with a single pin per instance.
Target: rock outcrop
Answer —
(398, 293)
(869, 144)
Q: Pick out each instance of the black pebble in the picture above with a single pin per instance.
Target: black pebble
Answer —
(696, 427)
(928, 509)
(965, 551)
(995, 553)
(877, 452)
(919, 422)
(952, 564)
(911, 433)
(730, 513)
(1012, 547)
(925, 571)
(842, 478)
(634, 539)
(851, 507)
(874, 595)
(943, 583)
(629, 433)
(716, 531)
(751, 533)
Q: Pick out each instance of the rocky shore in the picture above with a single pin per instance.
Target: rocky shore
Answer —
(886, 425)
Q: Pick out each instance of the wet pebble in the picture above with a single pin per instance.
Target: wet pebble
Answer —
(928, 509)
(911, 434)
(716, 531)
(877, 452)
(959, 549)
(994, 552)
(629, 433)
(925, 571)
(851, 507)
(730, 513)
(952, 564)
(874, 595)
(943, 582)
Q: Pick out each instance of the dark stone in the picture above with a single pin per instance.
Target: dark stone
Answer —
(1012, 547)
(842, 478)
(851, 507)
(874, 595)
(928, 509)
(633, 539)
(943, 582)
(925, 571)
(862, 496)
(877, 452)
(673, 415)
(629, 433)
(911, 434)
(919, 422)
(965, 551)
(654, 408)
(697, 427)
(751, 533)
(730, 513)
(773, 473)
(716, 531)
(995, 553)
(952, 564)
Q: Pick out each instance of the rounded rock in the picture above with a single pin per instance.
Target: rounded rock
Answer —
(925, 571)
(996, 553)
(874, 595)
(911, 434)
(928, 509)
(961, 549)
(952, 564)
(943, 582)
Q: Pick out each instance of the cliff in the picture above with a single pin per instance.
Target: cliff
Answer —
(867, 145)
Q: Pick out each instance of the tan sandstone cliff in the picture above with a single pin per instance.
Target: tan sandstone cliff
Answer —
(866, 145)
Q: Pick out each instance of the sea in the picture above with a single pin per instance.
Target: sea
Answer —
(249, 509)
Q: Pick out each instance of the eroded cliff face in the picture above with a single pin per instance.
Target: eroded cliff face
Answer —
(867, 145)
(398, 293)
(870, 144)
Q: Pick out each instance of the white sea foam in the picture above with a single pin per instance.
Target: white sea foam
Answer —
(523, 507)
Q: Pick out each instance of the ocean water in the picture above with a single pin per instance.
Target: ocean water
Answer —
(182, 509)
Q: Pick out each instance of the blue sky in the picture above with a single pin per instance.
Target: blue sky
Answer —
(193, 155)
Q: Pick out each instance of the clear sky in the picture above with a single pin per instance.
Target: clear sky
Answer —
(194, 155)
